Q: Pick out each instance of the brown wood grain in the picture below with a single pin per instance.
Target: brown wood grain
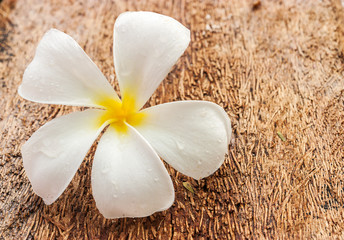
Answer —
(275, 66)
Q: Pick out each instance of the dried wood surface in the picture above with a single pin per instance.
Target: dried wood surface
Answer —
(275, 66)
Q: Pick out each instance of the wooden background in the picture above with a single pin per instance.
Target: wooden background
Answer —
(275, 66)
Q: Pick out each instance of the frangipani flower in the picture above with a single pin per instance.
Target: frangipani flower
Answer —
(128, 177)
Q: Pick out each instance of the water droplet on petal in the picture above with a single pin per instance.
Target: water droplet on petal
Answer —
(49, 150)
(163, 38)
(157, 53)
(180, 145)
(219, 140)
(156, 179)
(125, 72)
(122, 28)
(51, 62)
(204, 113)
(199, 162)
(38, 80)
(114, 183)
(47, 142)
(114, 196)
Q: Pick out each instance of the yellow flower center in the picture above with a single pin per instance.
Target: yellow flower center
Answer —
(117, 113)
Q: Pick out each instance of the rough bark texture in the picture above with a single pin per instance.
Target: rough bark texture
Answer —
(275, 66)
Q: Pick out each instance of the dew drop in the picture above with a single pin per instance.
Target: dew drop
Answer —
(203, 113)
(156, 179)
(180, 145)
(47, 142)
(114, 183)
(179, 45)
(122, 28)
(114, 196)
(51, 62)
(50, 153)
(157, 53)
(38, 80)
(199, 162)
(125, 72)
(219, 140)
(35, 150)
(163, 38)
(49, 196)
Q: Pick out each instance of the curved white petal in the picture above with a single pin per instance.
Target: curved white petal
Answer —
(192, 136)
(146, 46)
(62, 73)
(128, 177)
(55, 151)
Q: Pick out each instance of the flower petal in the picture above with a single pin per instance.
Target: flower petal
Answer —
(62, 73)
(128, 177)
(146, 46)
(192, 136)
(55, 151)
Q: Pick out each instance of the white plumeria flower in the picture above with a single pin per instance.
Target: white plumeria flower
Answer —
(128, 177)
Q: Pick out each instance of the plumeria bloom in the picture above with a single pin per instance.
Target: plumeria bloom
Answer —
(128, 178)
